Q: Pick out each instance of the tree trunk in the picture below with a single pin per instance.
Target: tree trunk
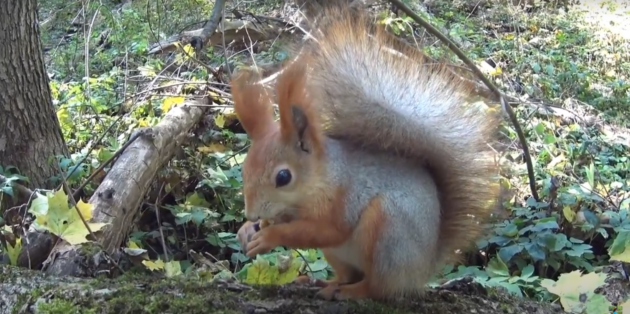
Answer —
(30, 135)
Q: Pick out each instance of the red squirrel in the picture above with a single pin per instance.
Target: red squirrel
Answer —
(375, 158)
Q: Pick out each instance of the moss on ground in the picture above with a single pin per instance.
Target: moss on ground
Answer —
(23, 289)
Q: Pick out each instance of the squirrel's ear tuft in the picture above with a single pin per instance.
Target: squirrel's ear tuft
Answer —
(252, 104)
(299, 121)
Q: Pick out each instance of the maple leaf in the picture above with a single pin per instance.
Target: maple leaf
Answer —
(261, 272)
(53, 214)
(154, 265)
(577, 292)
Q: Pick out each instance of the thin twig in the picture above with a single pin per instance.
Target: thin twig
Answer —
(157, 217)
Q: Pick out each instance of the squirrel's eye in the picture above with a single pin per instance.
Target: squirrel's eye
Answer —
(283, 178)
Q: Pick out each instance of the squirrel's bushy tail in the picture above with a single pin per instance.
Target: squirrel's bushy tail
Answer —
(382, 94)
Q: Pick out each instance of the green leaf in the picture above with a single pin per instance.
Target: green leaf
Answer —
(497, 268)
(528, 271)
(172, 269)
(506, 253)
(545, 225)
(620, 243)
(510, 230)
(536, 67)
(597, 304)
(619, 251)
(536, 252)
(14, 251)
(317, 265)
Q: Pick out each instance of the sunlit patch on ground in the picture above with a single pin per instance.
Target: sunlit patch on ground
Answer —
(610, 15)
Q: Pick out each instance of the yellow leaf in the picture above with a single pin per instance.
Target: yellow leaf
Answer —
(14, 251)
(569, 214)
(64, 116)
(53, 214)
(219, 120)
(85, 209)
(169, 102)
(260, 272)
(76, 232)
(143, 123)
(509, 36)
(173, 269)
(213, 148)
(496, 71)
(623, 256)
(289, 271)
(188, 49)
(132, 244)
(154, 265)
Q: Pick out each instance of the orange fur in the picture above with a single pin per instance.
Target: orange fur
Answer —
(348, 283)
(272, 141)
(318, 226)
(466, 188)
(443, 142)
(252, 104)
(318, 219)
(291, 92)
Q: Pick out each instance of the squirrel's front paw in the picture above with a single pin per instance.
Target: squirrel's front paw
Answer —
(260, 243)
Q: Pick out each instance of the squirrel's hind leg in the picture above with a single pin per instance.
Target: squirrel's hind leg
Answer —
(363, 283)
(345, 274)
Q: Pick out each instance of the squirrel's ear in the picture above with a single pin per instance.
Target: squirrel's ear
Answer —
(299, 123)
(252, 104)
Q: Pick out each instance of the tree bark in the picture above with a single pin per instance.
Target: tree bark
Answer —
(30, 135)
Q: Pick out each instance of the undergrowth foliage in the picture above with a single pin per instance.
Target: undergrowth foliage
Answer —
(541, 55)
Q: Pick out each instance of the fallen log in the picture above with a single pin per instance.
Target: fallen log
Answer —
(228, 32)
(25, 291)
(118, 198)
